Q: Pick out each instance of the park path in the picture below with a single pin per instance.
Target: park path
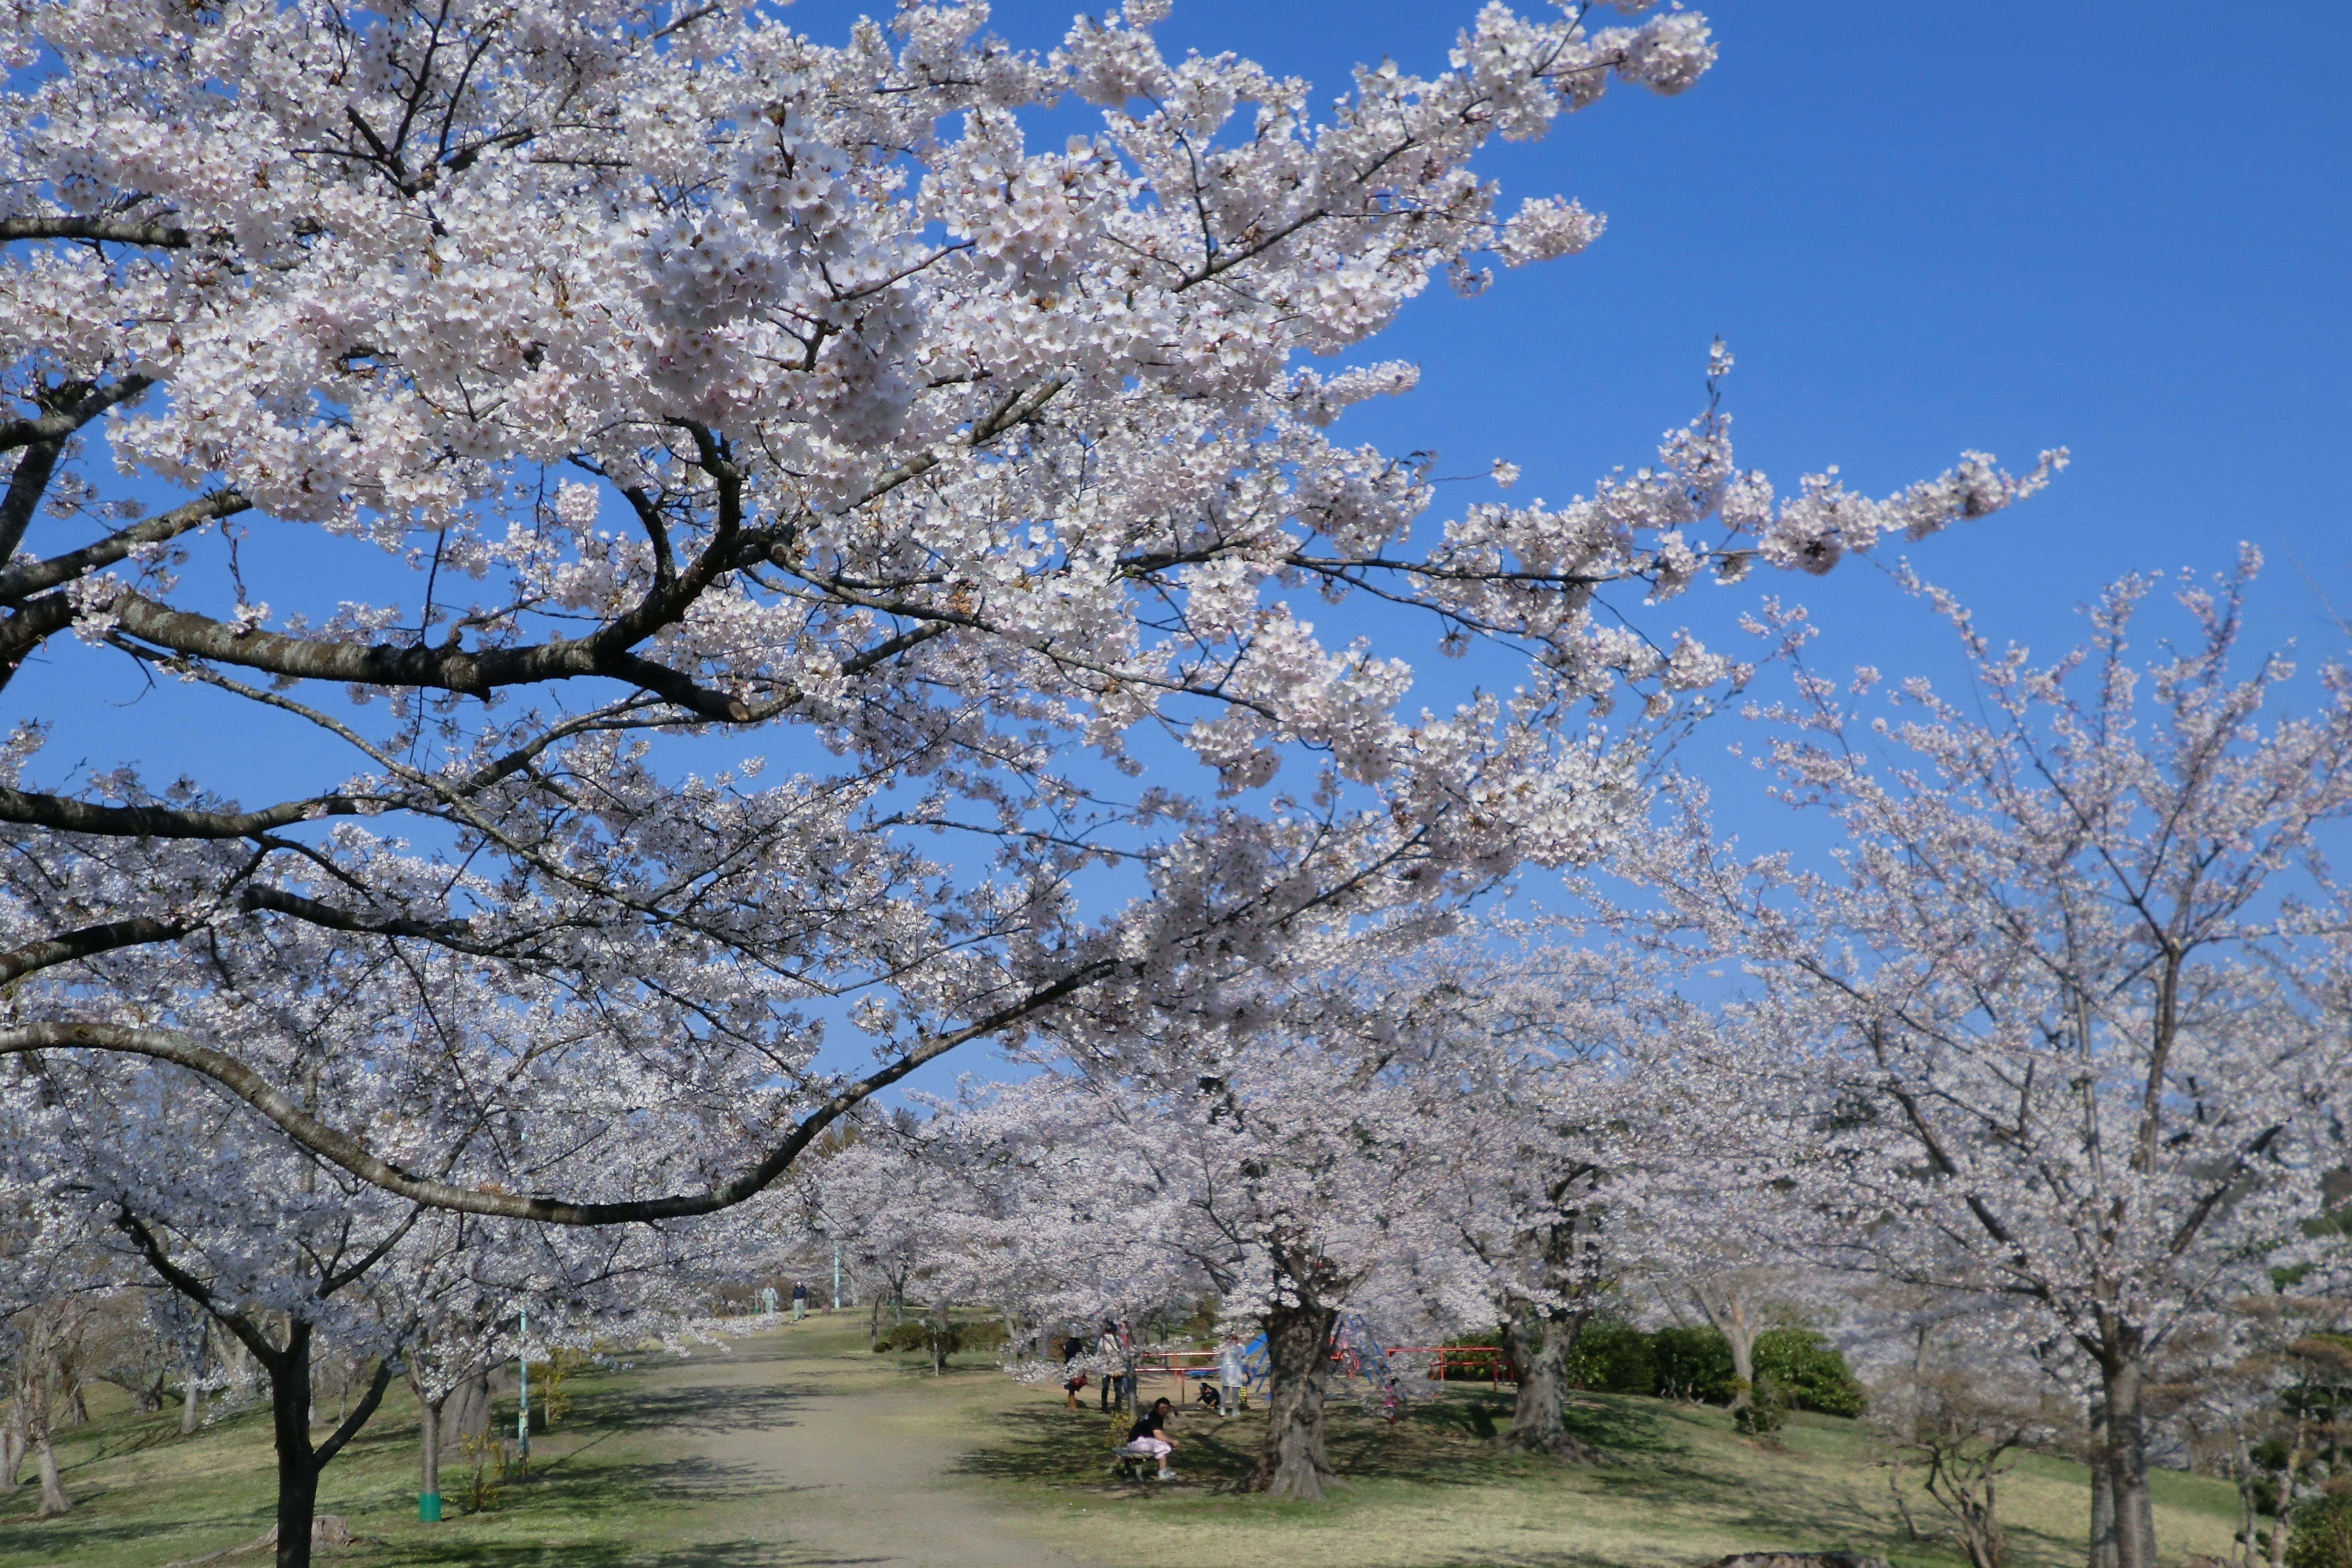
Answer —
(861, 1471)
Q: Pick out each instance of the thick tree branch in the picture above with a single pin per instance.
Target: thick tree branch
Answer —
(87, 942)
(26, 486)
(60, 422)
(445, 669)
(25, 630)
(104, 230)
(69, 815)
(279, 902)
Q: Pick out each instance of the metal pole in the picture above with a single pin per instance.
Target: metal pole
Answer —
(837, 1277)
(522, 1414)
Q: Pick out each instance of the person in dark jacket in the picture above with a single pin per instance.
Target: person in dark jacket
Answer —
(1147, 1436)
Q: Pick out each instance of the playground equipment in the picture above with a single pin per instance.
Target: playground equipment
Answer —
(1391, 1374)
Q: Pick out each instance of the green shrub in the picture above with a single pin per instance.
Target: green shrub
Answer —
(1693, 1363)
(914, 1335)
(1612, 1357)
(1810, 1370)
(987, 1335)
(1767, 1409)
(2320, 1533)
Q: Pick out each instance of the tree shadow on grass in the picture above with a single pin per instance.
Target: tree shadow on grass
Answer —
(689, 1408)
(71, 1536)
(614, 1554)
(611, 1493)
(1439, 1443)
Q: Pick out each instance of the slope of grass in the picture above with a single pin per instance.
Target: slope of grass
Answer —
(627, 1482)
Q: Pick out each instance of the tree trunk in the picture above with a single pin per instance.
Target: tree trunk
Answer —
(2294, 1466)
(2103, 1488)
(2278, 1517)
(1726, 1307)
(12, 1449)
(298, 1468)
(1294, 1461)
(2135, 1515)
(1540, 1343)
(54, 1500)
(192, 1405)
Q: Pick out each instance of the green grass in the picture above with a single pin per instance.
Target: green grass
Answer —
(627, 1480)
(616, 1483)
(1428, 1491)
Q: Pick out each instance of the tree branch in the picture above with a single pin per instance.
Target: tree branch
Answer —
(21, 581)
(69, 815)
(279, 902)
(105, 230)
(341, 1149)
(61, 422)
(195, 1290)
(87, 942)
(326, 1451)
(445, 669)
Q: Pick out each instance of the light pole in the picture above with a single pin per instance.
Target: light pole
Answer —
(522, 1412)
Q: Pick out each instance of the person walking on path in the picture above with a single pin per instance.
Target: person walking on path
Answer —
(799, 1299)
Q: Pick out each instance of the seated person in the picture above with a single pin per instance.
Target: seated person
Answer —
(1211, 1400)
(1144, 1438)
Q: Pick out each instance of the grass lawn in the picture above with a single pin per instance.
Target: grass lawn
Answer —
(1427, 1491)
(647, 1472)
(617, 1484)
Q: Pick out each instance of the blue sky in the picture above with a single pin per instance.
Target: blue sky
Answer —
(1921, 228)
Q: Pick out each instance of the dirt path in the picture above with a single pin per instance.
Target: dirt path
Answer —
(860, 1463)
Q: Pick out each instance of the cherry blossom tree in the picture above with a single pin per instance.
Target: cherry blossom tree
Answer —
(293, 1259)
(1537, 1117)
(2070, 1005)
(654, 373)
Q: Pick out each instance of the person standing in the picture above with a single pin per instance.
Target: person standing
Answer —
(1114, 1387)
(799, 1299)
(1231, 1372)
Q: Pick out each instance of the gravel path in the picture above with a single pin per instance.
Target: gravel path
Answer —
(860, 1467)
